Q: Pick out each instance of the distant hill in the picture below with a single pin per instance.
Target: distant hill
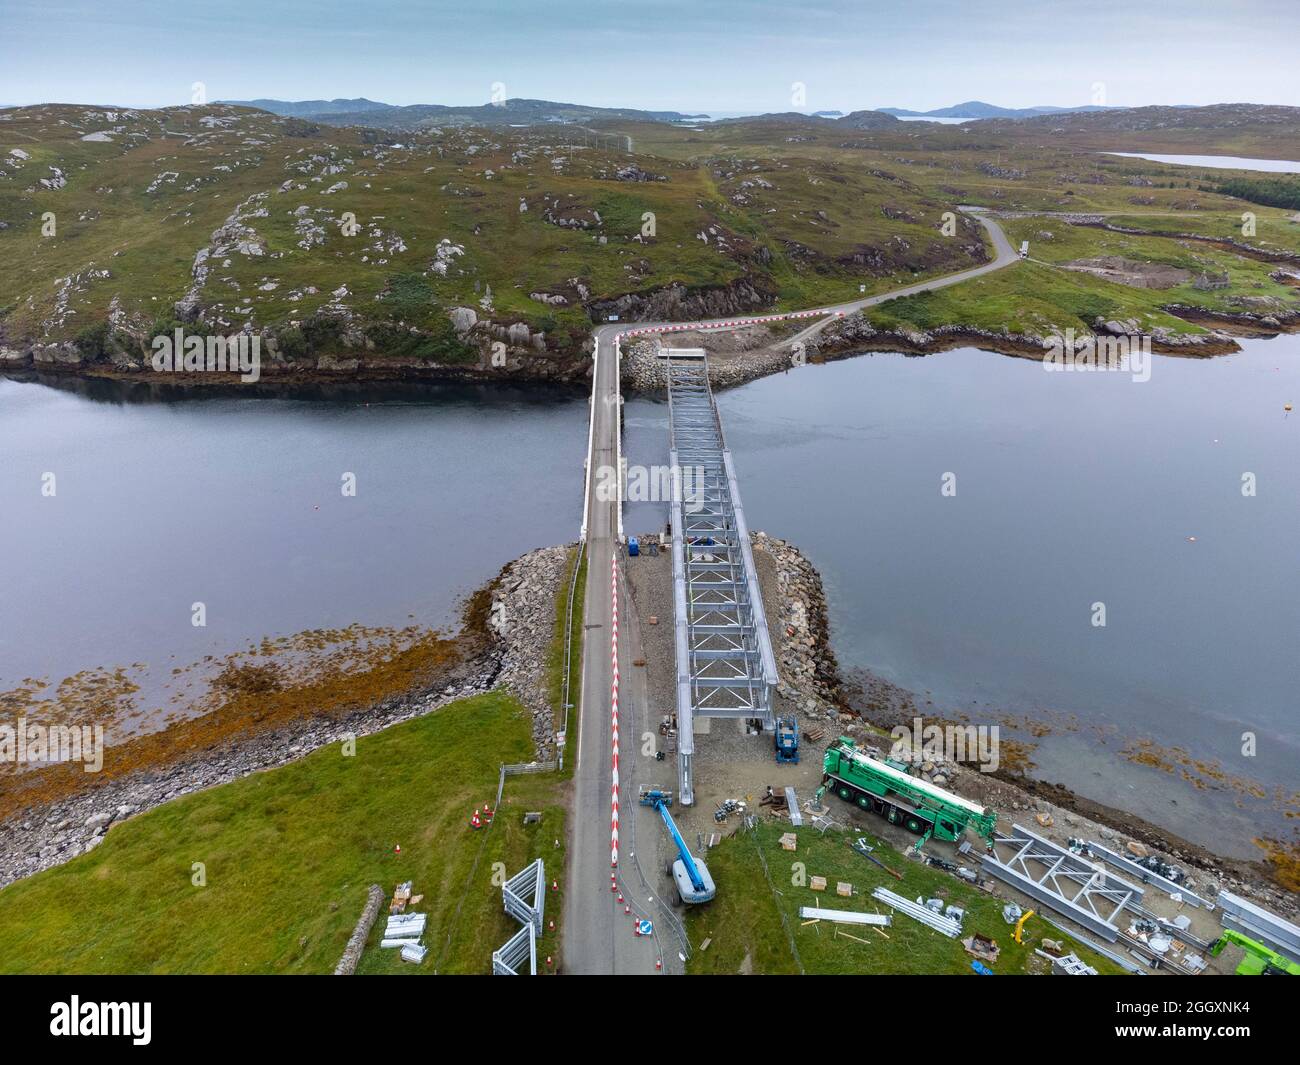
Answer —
(855, 120)
(1214, 116)
(311, 108)
(977, 109)
(869, 120)
(517, 112)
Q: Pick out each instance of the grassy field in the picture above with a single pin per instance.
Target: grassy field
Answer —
(1027, 298)
(745, 926)
(288, 855)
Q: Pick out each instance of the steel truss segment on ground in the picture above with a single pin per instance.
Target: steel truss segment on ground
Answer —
(524, 895)
(725, 665)
(1068, 883)
(517, 951)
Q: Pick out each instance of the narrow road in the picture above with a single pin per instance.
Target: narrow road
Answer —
(598, 934)
(1004, 255)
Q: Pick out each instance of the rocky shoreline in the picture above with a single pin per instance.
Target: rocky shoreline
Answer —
(643, 371)
(518, 611)
(855, 333)
(520, 618)
(811, 679)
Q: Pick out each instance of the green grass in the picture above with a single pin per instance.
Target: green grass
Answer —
(289, 854)
(806, 213)
(1038, 297)
(744, 921)
(1030, 298)
(555, 650)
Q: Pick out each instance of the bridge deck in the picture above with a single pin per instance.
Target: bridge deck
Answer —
(725, 665)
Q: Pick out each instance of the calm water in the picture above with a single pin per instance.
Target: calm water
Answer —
(1220, 162)
(1071, 489)
(165, 500)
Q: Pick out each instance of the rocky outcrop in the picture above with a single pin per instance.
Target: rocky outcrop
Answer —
(855, 333)
(678, 302)
(1267, 319)
(487, 351)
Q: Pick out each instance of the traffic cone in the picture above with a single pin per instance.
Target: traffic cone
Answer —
(397, 849)
(487, 812)
(474, 821)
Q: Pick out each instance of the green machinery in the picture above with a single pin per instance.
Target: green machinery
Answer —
(1259, 960)
(886, 788)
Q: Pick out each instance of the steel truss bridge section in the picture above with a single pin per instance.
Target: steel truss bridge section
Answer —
(517, 951)
(1058, 878)
(524, 895)
(725, 665)
(524, 898)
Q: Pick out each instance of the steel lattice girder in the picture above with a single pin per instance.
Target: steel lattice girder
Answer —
(1068, 883)
(518, 949)
(524, 895)
(725, 665)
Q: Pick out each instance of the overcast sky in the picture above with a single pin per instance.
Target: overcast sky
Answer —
(694, 55)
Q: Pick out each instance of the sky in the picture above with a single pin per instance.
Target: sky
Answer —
(685, 55)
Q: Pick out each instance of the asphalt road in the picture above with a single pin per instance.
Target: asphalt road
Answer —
(598, 934)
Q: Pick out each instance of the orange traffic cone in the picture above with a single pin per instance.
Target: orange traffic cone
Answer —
(474, 821)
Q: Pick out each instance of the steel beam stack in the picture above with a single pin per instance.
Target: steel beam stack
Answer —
(725, 665)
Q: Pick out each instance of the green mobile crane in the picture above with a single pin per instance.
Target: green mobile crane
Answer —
(1259, 960)
(888, 789)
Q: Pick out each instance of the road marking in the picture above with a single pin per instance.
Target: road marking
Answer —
(613, 712)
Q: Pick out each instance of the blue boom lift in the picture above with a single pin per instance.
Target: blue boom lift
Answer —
(694, 884)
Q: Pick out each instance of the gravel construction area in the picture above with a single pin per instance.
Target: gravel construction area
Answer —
(729, 764)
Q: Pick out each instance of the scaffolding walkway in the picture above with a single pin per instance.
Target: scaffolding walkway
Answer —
(725, 665)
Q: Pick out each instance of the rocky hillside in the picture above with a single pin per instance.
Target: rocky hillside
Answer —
(458, 249)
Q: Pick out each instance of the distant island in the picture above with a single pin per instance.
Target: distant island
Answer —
(974, 109)
(513, 112)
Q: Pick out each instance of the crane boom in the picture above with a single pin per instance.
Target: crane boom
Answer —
(688, 860)
(690, 875)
